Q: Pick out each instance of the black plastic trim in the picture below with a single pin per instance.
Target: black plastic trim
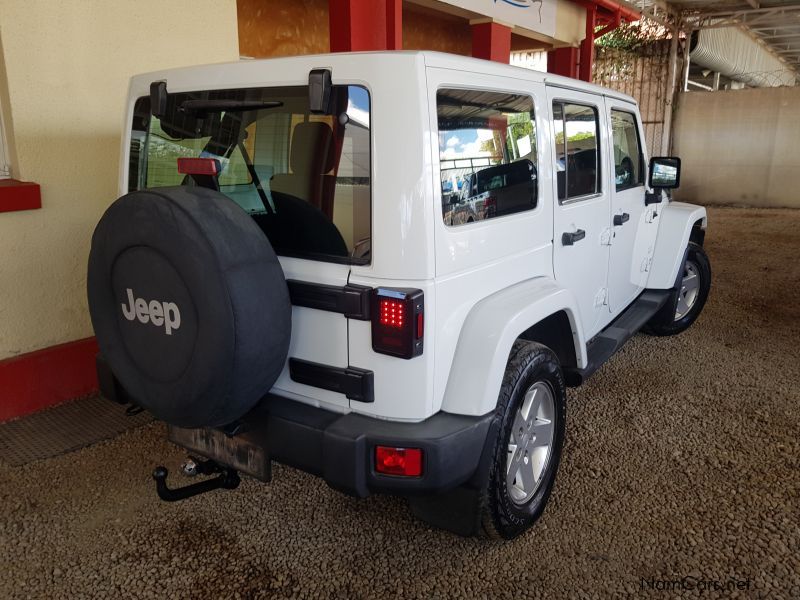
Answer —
(357, 384)
(606, 343)
(353, 301)
(341, 448)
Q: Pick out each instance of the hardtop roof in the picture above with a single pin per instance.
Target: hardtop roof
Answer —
(430, 59)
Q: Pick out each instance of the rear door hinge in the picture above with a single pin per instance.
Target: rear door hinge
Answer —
(606, 237)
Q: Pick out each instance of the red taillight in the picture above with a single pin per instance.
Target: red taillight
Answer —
(406, 462)
(490, 207)
(392, 313)
(198, 166)
(397, 327)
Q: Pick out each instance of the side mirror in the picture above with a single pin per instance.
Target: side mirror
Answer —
(665, 172)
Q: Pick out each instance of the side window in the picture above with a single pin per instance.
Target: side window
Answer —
(628, 161)
(487, 154)
(577, 167)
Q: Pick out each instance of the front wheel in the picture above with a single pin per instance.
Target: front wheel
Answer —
(686, 304)
(530, 436)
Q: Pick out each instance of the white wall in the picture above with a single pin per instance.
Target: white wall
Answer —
(739, 147)
(64, 67)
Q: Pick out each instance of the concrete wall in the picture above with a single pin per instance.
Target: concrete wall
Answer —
(64, 72)
(739, 147)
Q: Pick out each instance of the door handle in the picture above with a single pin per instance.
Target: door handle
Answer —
(570, 237)
(621, 219)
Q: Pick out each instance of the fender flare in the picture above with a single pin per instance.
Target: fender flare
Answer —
(674, 231)
(489, 331)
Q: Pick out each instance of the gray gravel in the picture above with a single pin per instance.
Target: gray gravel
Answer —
(682, 460)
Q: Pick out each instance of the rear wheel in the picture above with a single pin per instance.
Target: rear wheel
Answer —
(530, 436)
(688, 301)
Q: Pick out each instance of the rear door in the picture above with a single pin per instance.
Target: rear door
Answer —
(583, 207)
(303, 178)
(634, 225)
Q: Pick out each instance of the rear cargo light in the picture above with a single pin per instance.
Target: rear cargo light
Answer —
(198, 166)
(490, 207)
(406, 462)
(397, 322)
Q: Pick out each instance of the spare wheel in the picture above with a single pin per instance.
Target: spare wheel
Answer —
(189, 304)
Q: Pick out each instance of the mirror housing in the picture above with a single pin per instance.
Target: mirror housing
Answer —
(665, 172)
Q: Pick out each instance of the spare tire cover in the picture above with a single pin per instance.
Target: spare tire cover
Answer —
(189, 304)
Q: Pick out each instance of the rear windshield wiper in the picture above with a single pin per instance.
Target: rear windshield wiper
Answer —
(208, 106)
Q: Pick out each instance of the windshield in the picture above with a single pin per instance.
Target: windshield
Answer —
(303, 177)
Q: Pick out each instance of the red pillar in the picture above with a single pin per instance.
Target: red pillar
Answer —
(394, 24)
(491, 41)
(587, 45)
(563, 61)
(357, 25)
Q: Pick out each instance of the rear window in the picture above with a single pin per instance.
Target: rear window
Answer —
(303, 177)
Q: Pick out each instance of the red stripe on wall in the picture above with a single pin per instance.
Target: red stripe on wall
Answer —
(34, 381)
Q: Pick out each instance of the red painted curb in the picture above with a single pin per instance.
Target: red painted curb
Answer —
(47, 377)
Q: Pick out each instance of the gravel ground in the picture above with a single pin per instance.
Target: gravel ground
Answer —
(682, 460)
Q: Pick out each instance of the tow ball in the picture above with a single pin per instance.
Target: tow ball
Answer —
(226, 479)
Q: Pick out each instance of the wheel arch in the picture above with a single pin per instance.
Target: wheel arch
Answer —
(679, 222)
(536, 310)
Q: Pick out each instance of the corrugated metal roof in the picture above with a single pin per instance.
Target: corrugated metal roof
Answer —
(774, 25)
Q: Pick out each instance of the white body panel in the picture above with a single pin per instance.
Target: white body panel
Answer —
(677, 220)
(488, 334)
(485, 282)
(583, 267)
(633, 242)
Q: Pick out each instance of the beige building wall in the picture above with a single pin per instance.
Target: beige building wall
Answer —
(64, 70)
(739, 147)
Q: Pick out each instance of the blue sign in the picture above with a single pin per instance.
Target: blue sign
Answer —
(519, 3)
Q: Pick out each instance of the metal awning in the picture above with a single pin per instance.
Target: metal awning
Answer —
(773, 24)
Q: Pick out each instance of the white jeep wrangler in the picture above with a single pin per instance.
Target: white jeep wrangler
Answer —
(383, 269)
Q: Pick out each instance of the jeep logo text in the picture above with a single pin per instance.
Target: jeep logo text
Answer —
(166, 314)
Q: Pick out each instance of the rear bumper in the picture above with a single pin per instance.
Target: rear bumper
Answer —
(341, 448)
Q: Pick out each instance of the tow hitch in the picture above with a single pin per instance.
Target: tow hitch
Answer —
(226, 479)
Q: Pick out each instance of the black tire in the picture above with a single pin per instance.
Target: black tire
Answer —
(666, 321)
(212, 321)
(529, 363)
